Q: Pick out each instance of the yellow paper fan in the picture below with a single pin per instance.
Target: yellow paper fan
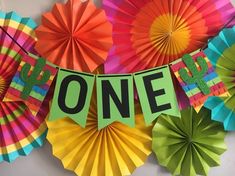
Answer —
(113, 151)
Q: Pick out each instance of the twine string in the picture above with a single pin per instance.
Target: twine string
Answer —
(13, 39)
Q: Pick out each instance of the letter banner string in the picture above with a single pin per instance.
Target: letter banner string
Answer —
(115, 92)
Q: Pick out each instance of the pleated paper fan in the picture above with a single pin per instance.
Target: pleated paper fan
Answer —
(20, 132)
(9, 61)
(150, 33)
(189, 145)
(17, 37)
(77, 35)
(221, 52)
(113, 151)
(21, 31)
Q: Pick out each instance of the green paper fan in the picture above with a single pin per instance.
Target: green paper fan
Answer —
(188, 145)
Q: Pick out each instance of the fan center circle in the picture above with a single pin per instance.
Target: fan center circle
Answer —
(2, 86)
(170, 34)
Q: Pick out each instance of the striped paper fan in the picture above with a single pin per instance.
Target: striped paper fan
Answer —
(151, 33)
(20, 131)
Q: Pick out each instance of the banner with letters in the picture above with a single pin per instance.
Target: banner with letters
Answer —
(116, 93)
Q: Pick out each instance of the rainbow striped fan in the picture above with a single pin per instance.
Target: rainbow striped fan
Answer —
(20, 131)
(21, 31)
(150, 33)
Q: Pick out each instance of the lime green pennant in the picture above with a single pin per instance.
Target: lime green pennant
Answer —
(72, 96)
(156, 93)
(115, 99)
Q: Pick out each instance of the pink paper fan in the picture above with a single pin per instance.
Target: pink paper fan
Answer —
(150, 33)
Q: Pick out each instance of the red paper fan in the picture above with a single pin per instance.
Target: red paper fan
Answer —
(75, 35)
(150, 33)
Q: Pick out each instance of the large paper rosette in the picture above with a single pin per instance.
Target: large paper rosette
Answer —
(113, 151)
(150, 33)
(221, 52)
(75, 35)
(20, 132)
(189, 145)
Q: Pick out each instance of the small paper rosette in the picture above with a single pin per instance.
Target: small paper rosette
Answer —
(189, 145)
(221, 52)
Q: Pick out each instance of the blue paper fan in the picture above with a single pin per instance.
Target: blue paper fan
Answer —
(221, 52)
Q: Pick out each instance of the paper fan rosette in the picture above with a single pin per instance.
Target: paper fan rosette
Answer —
(221, 52)
(77, 35)
(115, 150)
(17, 37)
(21, 31)
(20, 132)
(150, 33)
(189, 145)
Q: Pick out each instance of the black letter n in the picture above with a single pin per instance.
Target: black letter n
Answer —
(108, 92)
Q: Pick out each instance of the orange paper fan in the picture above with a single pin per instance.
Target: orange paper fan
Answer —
(75, 35)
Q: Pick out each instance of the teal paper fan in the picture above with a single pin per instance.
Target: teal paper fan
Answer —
(221, 52)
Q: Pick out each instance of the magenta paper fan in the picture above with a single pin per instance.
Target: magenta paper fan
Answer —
(150, 33)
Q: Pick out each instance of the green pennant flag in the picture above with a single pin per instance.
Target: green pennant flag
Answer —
(115, 100)
(72, 96)
(156, 93)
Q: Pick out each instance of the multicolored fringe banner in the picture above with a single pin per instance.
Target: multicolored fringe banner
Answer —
(115, 93)
(31, 82)
(198, 79)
